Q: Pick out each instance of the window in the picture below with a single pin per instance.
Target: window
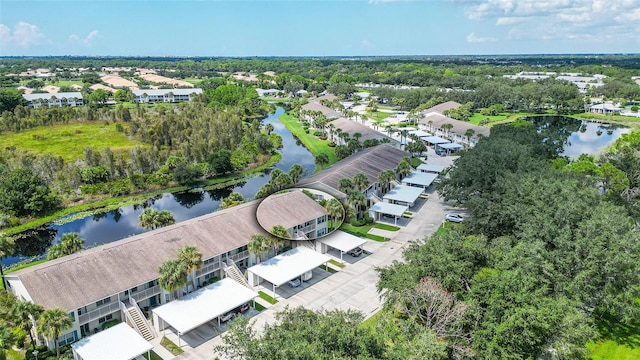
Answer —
(105, 318)
(103, 301)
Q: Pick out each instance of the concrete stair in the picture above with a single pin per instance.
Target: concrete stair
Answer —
(232, 271)
(138, 319)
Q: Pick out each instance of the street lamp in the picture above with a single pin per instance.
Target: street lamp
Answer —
(35, 353)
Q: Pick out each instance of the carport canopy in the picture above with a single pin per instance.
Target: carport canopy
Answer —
(420, 133)
(389, 209)
(435, 140)
(342, 241)
(419, 178)
(289, 265)
(450, 146)
(204, 305)
(431, 168)
(403, 193)
(119, 342)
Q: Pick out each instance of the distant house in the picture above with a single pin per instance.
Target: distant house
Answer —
(164, 95)
(607, 108)
(51, 100)
(268, 92)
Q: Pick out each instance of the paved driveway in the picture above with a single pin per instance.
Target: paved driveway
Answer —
(354, 287)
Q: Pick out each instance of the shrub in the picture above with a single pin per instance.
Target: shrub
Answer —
(368, 219)
(332, 144)
(317, 133)
(110, 323)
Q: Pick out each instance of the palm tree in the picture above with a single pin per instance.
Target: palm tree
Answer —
(360, 181)
(151, 218)
(148, 218)
(52, 323)
(334, 210)
(404, 167)
(280, 231)
(234, 199)
(7, 339)
(447, 127)
(469, 133)
(385, 178)
(23, 313)
(192, 258)
(173, 275)
(356, 199)
(165, 217)
(403, 135)
(6, 248)
(268, 128)
(322, 159)
(331, 130)
(295, 173)
(345, 185)
(357, 136)
(258, 245)
(72, 242)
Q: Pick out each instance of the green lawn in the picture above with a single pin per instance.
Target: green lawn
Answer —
(386, 227)
(263, 295)
(362, 231)
(477, 117)
(315, 145)
(607, 118)
(618, 341)
(336, 263)
(171, 346)
(69, 140)
(378, 116)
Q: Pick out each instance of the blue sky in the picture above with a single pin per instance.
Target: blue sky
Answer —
(318, 27)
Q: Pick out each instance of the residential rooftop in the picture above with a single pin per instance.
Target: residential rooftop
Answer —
(288, 209)
(371, 161)
(96, 273)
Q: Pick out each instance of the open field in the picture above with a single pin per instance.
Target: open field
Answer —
(315, 145)
(69, 140)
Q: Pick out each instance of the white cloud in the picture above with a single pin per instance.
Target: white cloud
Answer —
(87, 40)
(24, 35)
(472, 38)
(559, 19)
(366, 43)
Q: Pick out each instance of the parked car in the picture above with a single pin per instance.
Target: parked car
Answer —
(242, 308)
(355, 252)
(228, 316)
(294, 283)
(454, 217)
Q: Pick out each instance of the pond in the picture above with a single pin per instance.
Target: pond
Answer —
(118, 224)
(578, 136)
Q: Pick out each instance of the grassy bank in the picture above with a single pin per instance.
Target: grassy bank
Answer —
(313, 144)
(69, 140)
(109, 204)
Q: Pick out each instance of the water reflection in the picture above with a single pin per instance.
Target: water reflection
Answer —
(118, 224)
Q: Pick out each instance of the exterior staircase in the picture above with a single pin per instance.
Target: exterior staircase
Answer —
(301, 236)
(232, 271)
(374, 198)
(139, 323)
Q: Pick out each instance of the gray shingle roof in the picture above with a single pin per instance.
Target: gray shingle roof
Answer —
(440, 108)
(371, 161)
(351, 127)
(288, 209)
(459, 127)
(90, 275)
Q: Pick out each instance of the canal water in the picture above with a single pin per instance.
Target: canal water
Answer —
(118, 224)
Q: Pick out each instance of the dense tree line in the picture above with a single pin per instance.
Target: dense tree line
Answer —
(542, 257)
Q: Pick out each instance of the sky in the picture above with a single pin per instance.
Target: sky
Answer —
(317, 27)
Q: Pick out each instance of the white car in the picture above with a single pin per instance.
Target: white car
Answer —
(294, 283)
(454, 217)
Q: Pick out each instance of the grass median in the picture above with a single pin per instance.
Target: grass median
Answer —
(312, 143)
